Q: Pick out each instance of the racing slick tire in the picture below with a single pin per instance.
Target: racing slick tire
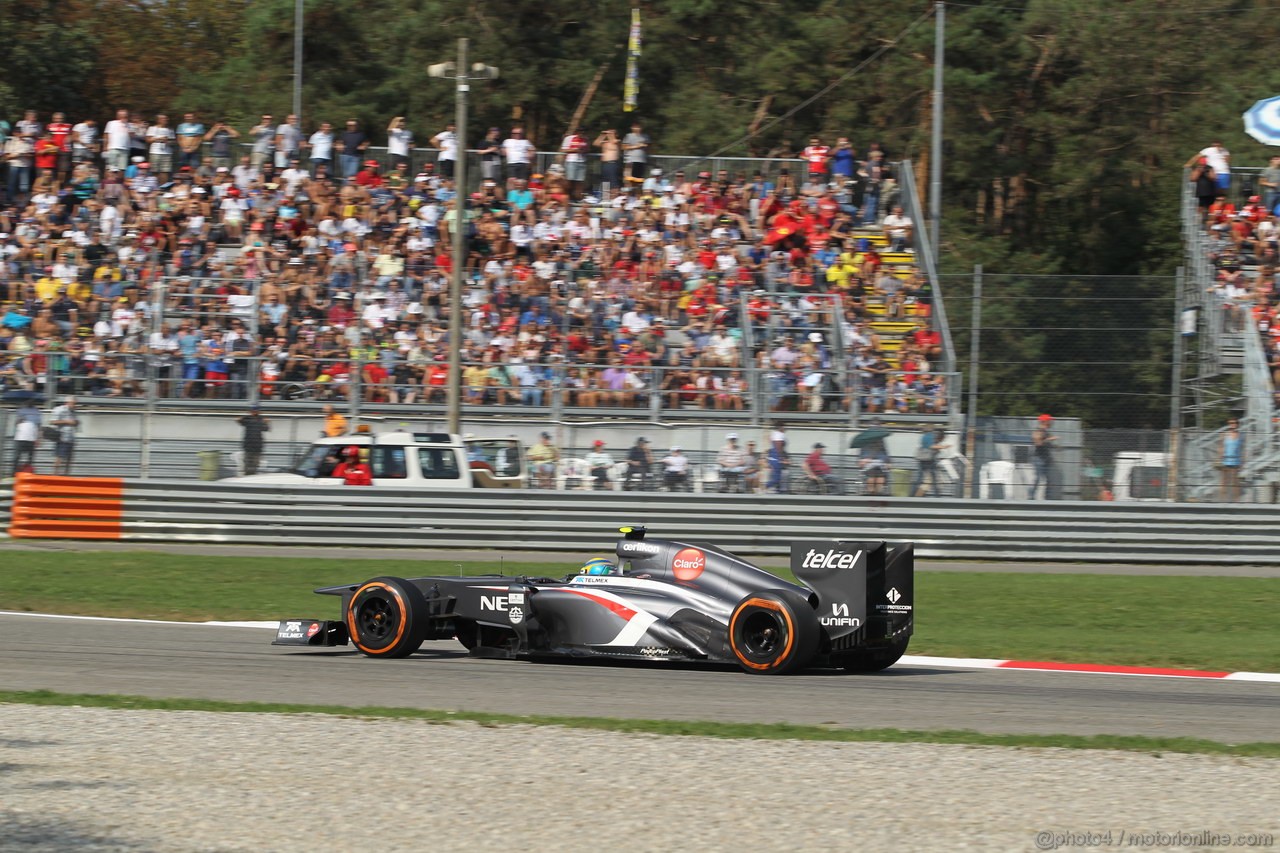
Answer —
(874, 659)
(774, 632)
(386, 618)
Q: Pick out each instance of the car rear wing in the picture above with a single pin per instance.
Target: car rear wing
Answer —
(866, 590)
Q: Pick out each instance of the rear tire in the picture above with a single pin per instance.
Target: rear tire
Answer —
(774, 632)
(386, 618)
(876, 659)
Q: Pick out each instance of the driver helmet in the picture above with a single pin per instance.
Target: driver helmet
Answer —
(598, 566)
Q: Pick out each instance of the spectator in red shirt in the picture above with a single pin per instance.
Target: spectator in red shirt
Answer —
(819, 473)
(368, 176)
(817, 156)
(353, 470)
(46, 153)
(60, 130)
(928, 341)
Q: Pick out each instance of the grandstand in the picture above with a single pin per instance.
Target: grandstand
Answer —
(680, 298)
(1230, 370)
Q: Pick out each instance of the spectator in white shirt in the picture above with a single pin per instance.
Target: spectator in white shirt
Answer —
(117, 137)
(447, 141)
(518, 152)
(400, 144)
(321, 143)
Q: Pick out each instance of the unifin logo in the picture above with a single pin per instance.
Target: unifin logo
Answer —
(840, 617)
(830, 559)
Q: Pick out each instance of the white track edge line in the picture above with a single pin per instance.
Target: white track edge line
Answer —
(906, 660)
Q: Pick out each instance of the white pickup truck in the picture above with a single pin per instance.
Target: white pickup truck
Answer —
(411, 459)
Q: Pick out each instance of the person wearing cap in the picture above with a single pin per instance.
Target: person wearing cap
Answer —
(354, 468)
(732, 460)
(675, 470)
(600, 463)
(368, 176)
(639, 466)
(255, 428)
(543, 457)
(1042, 442)
(819, 474)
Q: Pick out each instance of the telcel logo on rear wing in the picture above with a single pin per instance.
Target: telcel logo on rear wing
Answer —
(837, 572)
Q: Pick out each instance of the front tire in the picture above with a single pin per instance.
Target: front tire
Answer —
(774, 632)
(875, 659)
(386, 618)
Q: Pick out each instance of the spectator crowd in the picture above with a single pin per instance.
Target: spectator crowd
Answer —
(1243, 243)
(194, 259)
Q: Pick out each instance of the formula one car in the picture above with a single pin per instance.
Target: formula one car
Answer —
(667, 600)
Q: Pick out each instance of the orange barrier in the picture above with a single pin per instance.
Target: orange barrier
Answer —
(46, 507)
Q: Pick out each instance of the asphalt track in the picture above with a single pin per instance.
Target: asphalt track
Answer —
(239, 664)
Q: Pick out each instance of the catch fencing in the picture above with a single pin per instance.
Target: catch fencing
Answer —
(176, 511)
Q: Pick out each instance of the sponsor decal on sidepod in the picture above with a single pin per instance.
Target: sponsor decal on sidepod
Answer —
(640, 548)
(688, 563)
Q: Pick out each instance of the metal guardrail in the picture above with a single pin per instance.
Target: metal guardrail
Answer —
(176, 511)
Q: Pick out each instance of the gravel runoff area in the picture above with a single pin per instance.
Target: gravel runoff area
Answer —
(95, 779)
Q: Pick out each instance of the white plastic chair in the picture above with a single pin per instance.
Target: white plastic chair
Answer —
(573, 473)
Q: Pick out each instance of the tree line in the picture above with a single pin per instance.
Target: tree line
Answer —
(1067, 121)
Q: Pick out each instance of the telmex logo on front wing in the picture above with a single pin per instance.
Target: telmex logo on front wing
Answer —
(830, 559)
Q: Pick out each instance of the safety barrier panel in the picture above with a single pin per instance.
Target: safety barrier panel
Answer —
(47, 507)
(183, 511)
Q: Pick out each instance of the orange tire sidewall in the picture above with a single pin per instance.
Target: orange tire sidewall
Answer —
(351, 618)
(767, 604)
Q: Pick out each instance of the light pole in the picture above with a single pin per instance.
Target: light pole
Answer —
(297, 61)
(463, 74)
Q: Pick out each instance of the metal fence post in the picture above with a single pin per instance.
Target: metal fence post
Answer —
(1175, 391)
(975, 338)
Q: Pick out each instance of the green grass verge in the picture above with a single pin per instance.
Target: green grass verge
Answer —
(1190, 622)
(695, 728)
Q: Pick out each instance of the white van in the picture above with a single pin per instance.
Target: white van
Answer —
(411, 459)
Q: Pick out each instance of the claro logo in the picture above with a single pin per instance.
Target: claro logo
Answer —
(830, 559)
(688, 564)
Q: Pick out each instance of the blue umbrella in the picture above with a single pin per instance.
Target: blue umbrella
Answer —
(1262, 121)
